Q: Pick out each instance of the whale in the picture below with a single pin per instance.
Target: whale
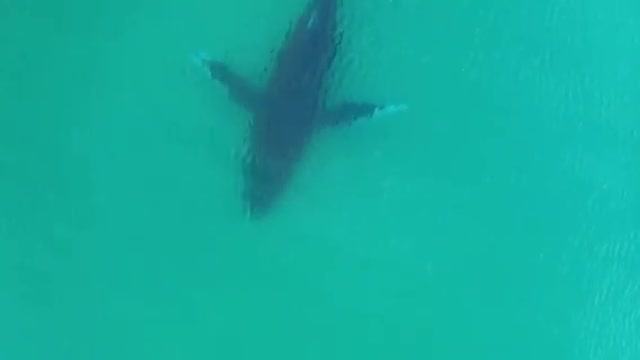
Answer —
(292, 106)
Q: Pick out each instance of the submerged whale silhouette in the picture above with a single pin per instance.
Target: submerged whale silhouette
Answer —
(291, 108)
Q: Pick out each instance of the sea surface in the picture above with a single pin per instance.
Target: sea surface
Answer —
(497, 219)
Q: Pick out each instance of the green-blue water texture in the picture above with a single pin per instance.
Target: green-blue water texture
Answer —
(496, 219)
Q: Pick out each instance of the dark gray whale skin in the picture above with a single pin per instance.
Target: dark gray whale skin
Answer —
(291, 107)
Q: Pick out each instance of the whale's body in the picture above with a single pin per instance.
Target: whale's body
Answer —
(291, 107)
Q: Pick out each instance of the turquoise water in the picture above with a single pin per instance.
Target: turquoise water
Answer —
(497, 219)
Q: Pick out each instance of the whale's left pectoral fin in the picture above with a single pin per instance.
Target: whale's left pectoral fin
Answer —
(239, 88)
(348, 112)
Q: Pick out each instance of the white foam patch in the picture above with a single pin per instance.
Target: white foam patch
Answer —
(312, 19)
(201, 58)
(390, 109)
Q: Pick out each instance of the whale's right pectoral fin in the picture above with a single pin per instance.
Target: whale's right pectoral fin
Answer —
(348, 112)
(239, 88)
